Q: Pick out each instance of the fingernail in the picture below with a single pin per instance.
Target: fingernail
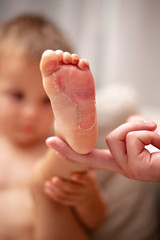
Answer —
(47, 191)
(47, 184)
(56, 181)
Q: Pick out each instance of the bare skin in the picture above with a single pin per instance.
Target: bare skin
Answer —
(70, 87)
(24, 125)
(16, 203)
(69, 84)
(127, 153)
(82, 193)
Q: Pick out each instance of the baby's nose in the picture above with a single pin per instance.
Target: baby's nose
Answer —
(30, 111)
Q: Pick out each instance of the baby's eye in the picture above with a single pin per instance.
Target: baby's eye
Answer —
(17, 95)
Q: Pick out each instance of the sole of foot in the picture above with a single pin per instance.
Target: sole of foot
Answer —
(69, 84)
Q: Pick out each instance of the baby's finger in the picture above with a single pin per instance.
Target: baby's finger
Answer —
(58, 195)
(49, 190)
(84, 177)
(68, 187)
(65, 200)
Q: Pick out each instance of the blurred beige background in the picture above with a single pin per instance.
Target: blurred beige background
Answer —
(120, 38)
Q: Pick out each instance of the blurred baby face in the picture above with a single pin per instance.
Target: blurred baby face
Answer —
(25, 111)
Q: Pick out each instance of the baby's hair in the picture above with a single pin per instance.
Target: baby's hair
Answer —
(31, 35)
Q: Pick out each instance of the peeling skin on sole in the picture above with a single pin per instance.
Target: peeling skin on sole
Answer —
(76, 98)
(82, 124)
(71, 90)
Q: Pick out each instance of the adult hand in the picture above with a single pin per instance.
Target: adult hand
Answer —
(126, 154)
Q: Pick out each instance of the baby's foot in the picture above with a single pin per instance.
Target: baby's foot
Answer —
(69, 84)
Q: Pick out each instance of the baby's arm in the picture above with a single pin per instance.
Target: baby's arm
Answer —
(82, 193)
(127, 153)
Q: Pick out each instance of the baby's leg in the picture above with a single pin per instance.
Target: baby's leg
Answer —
(55, 221)
(70, 87)
(69, 84)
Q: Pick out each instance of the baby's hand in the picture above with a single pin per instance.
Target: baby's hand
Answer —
(74, 192)
(82, 193)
